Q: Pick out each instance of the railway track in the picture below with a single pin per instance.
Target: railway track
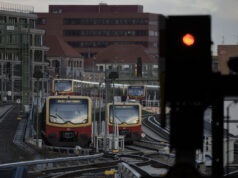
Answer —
(83, 165)
(155, 127)
(145, 166)
(72, 169)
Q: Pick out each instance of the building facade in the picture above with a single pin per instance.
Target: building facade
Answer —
(223, 54)
(123, 59)
(64, 61)
(21, 53)
(91, 28)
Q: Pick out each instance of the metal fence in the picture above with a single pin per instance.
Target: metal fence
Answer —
(16, 7)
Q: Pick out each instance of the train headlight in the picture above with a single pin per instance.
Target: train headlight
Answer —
(143, 135)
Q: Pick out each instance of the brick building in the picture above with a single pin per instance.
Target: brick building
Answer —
(121, 58)
(224, 53)
(91, 28)
(64, 61)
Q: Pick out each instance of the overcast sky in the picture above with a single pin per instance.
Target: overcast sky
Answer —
(224, 12)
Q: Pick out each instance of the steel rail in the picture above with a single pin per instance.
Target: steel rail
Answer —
(46, 161)
(128, 170)
(66, 171)
(71, 173)
(6, 112)
(157, 125)
(155, 143)
(149, 124)
(166, 129)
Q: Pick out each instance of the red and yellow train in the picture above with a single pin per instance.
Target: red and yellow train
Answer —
(128, 118)
(65, 87)
(66, 120)
(92, 89)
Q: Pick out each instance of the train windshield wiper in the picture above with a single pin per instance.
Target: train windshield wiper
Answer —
(60, 117)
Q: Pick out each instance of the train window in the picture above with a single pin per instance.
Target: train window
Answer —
(63, 85)
(68, 110)
(125, 114)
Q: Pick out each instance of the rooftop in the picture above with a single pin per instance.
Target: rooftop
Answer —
(101, 8)
(121, 54)
(57, 47)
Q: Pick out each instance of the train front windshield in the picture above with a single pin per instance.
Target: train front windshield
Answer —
(136, 91)
(68, 110)
(125, 114)
(63, 85)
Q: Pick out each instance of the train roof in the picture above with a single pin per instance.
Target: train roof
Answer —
(117, 85)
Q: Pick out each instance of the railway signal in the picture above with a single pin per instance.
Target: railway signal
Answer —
(139, 67)
(187, 57)
(185, 80)
(188, 39)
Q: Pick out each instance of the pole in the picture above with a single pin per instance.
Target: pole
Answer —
(94, 122)
(217, 137)
(113, 121)
(100, 119)
(37, 116)
(93, 71)
(107, 99)
(227, 138)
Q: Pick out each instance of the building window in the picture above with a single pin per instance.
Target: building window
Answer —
(1, 55)
(105, 33)
(38, 40)
(11, 39)
(32, 23)
(86, 44)
(80, 64)
(38, 56)
(17, 70)
(8, 56)
(41, 21)
(15, 56)
(37, 88)
(12, 20)
(2, 19)
(25, 39)
(17, 86)
(37, 67)
(23, 22)
(101, 21)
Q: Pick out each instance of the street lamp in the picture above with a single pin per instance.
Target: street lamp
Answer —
(113, 76)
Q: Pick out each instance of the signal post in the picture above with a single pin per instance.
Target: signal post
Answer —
(185, 84)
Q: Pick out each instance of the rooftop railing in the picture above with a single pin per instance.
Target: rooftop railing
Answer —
(16, 7)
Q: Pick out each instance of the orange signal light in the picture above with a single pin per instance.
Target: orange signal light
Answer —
(188, 39)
